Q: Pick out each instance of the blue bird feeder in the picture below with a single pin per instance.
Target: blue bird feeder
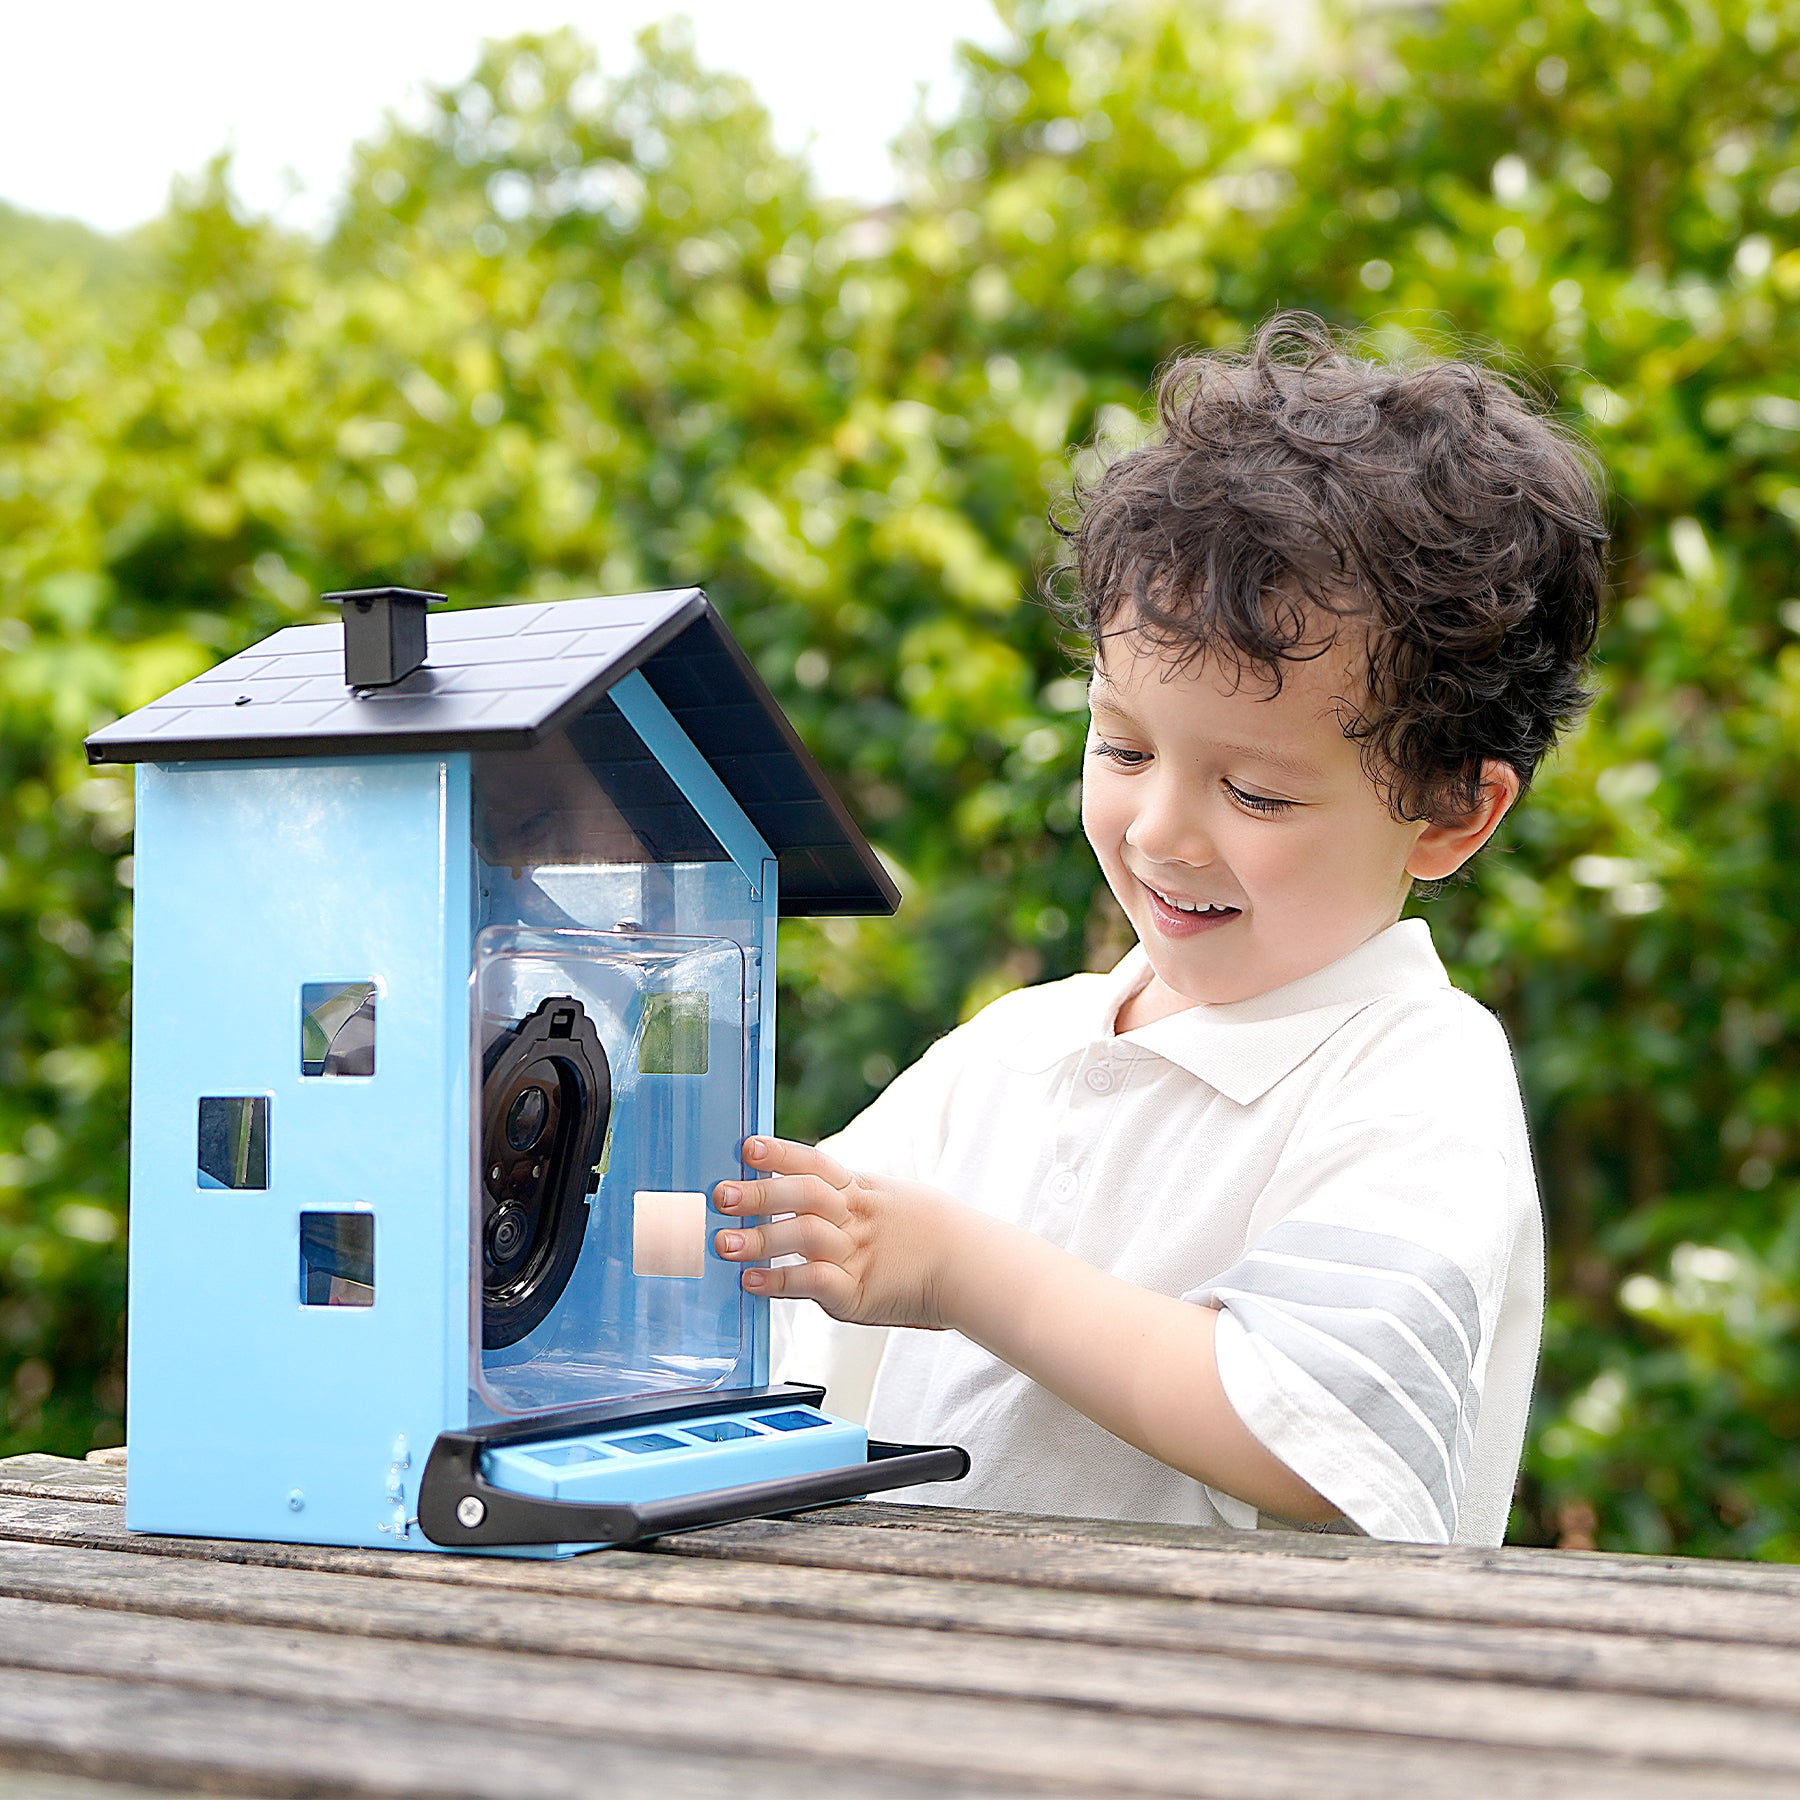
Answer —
(454, 996)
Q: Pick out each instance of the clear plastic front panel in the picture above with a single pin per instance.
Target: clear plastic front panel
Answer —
(611, 1075)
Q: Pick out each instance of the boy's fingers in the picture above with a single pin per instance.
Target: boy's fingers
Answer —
(782, 1156)
(803, 1235)
(826, 1283)
(784, 1194)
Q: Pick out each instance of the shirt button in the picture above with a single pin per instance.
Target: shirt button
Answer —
(1100, 1080)
(1063, 1185)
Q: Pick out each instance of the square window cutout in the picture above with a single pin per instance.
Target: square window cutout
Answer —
(337, 1259)
(675, 1033)
(337, 1028)
(233, 1150)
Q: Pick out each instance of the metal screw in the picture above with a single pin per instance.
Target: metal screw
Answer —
(296, 1501)
(470, 1512)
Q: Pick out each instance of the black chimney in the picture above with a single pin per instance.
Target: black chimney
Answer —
(384, 633)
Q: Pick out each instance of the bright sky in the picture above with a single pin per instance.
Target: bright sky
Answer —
(102, 102)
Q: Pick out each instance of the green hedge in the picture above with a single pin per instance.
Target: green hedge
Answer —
(583, 332)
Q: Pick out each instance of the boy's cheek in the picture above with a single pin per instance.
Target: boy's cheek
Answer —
(1103, 825)
(1113, 868)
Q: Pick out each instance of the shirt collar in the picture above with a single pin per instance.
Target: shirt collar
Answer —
(1244, 1048)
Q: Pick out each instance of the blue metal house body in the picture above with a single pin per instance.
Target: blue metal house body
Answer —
(355, 908)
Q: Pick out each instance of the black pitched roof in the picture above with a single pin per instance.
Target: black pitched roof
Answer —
(507, 677)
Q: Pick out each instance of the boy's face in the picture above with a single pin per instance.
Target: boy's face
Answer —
(1203, 791)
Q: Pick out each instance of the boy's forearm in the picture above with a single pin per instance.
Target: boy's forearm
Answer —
(1142, 1365)
(879, 1250)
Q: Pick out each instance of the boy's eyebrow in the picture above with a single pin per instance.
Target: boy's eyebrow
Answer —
(1276, 759)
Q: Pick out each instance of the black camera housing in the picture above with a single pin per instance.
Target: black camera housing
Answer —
(546, 1097)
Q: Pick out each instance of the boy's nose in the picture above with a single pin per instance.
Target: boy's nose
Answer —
(1170, 831)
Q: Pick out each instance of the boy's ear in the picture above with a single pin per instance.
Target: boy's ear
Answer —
(1440, 850)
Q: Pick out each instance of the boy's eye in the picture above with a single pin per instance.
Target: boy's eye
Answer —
(1129, 759)
(1262, 803)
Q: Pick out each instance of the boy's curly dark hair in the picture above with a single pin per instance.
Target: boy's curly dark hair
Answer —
(1430, 502)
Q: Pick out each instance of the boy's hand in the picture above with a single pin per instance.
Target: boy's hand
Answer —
(875, 1248)
(885, 1252)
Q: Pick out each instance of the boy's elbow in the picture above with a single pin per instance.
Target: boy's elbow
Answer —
(1299, 1504)
(1260, 1479)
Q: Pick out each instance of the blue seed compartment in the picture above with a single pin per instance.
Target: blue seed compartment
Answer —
(691, 1456)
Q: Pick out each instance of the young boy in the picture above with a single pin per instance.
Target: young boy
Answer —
(1247, 1227)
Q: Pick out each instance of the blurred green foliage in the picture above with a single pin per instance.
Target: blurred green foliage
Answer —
(583, 333)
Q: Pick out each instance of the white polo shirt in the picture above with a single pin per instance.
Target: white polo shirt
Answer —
(1340, 1165)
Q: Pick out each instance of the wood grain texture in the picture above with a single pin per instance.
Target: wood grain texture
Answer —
(38, 1474)
(212, 1743)
(39, 1784)
(882, 1650)
(1566, 1657)
(862, 1743)
(1148, 1684)
(1328, 1546)
(60, 1474)
(1402, 1588)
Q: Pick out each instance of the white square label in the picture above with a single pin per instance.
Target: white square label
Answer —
(668, 1235)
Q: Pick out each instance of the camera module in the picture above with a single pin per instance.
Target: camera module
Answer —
(546, 1094)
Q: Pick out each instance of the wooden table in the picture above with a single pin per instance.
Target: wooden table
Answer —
(875, 1651)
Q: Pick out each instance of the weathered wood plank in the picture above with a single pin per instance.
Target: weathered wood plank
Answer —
(32, 1784)
(36, 1473)
(1076, 1564)
(825, 1746)
(1562, 1657)
(1033, 1743)
(62, 1475)
(1398, 1588)
(877, 1648)
(1675, 1571)
(164, 1735)
(29, 1474)
(1149, 1684)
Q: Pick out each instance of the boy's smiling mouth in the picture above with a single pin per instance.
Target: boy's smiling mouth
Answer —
(1176, 917)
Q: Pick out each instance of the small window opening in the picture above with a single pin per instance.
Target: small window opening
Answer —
(337, 1259)
(337, 1028)
(234, 1141)
(675, 1033)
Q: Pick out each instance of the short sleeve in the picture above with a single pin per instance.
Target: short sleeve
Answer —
(1357, 1326)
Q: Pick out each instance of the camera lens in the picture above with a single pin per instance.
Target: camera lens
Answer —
(525, 1118)
(506, 1234)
